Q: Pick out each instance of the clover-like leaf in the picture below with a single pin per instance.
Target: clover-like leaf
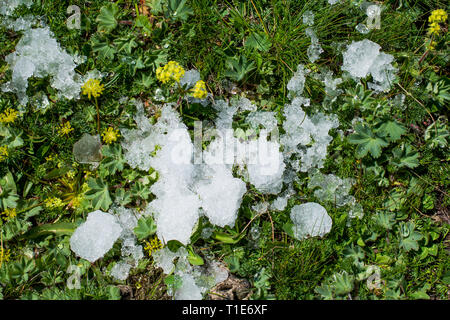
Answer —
(145, 228)
(367, 141)
(391, 129)
(107, 18)
(409, 236)
(113, 160)
(405, 156)
(98, 193)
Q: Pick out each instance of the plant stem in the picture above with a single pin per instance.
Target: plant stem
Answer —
(98, 115)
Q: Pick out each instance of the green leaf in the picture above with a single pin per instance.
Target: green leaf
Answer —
(104, 50)
(140, 190)
(98, 193)
(366, 141)
(194, 258)
(343, 283)
(405, 156)
(238, 69)
(60, 228)
(227, 238)
(258, 41)
(113, 160)
(8, 192)
(146, 227)
(126, 44)
(409, 236)
(174, 245)
(179, 10)
(107, 18)
(391, 129)
(385, 220)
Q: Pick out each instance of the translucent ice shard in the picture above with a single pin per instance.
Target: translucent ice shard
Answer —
(87, 149)
(308, 18)
(363, 58)
(120, 270)
(310, 220)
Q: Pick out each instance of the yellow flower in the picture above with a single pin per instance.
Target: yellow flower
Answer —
(92, 87)
(152, 245)
(9, 116)
(4, 255)
(71, 174)
(9, 213)
(438, 15)
(434, 28)
(171, 71)
(65, 129)
(199, 90)
(431, 45)
(3, 153)
(110, 135)
(53, 202)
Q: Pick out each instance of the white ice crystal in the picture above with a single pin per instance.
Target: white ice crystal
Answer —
(38, 54)
(363, 58)
(190, 78)
(297, 82)
(331, 188)
(95, 237)
(308, 18)
(7, 7)
(314, 50)
(266, 119)
(121, 270)
(310, 220)
(221, 196)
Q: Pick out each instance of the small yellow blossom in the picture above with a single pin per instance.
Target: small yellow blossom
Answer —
(434, 28)
(65, 129)
(3, 153)
(431, 45)
(9, 213)
(92, 87)
(8, 116)
(152, 245)
(71, 174)
(53, 202)
(199, 90)
(4, 255)
(171, 71)
(110, 135)
(76, 201)
(438, 15)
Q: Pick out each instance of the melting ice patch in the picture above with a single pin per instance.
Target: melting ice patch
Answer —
(38, 54)
(95, 237)
(363, 58)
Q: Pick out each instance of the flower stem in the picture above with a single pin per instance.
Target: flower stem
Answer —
(98, 115)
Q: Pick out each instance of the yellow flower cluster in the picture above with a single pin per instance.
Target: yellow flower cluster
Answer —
(8, 116)
(53, 202)
(172, 71)
(152, 245)
(199, 90)
(110, 135)
(9, 213)
(436, 17)
(3, 153)
(4, 255)
(93, 88)
(65, 129)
